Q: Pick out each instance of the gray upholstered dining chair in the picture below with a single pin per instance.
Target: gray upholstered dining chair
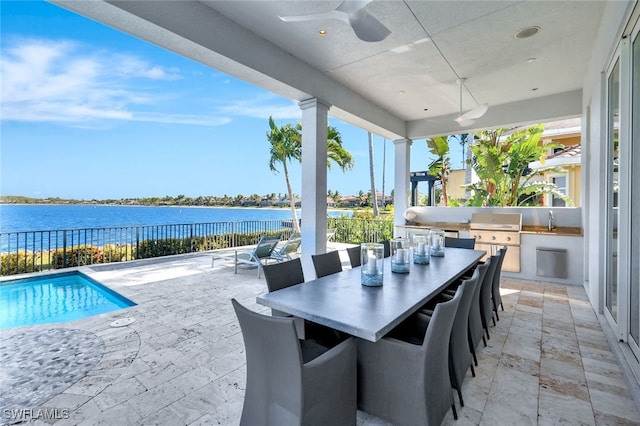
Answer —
(465, 243)
(285, 274)
(355, 254)
(282, 275)
(495, 287)
(326, 263)
(292, 381)
(404, 377)
(387, 247)
(486, 310)
(460, 359)
(476, 331)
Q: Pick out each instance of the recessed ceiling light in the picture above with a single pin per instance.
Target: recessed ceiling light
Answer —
(426, 109)
(322, 32)
(531, 60)
(401, 92)
(534, 89)
(527, 32)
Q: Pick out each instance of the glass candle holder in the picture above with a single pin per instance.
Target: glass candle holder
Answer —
(372, 261)
(399, 256)
(421, 249)
(437, 242)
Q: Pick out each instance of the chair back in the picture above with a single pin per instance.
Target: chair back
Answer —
(387, 247)
(326, 263)
(495, 287)
(475, 319)
(265, 246)
(355, 254)
(274, 368)
(283, 274)
(459, 353)
(439, 397)
(486, 308)
(465, 243)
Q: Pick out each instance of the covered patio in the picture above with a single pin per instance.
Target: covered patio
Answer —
(530, 61)
(182, 361)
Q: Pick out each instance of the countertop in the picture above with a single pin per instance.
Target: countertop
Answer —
(526, 229)
(566, 231)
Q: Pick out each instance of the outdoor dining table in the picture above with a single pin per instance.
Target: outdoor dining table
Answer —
(341, 302)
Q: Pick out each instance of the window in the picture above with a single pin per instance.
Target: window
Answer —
(561, 182)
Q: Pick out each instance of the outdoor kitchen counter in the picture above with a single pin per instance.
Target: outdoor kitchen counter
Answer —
(447, 226)
(566, 231)
(526, 229)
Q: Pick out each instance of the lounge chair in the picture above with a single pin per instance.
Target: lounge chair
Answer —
(286, 249)
(263, 251)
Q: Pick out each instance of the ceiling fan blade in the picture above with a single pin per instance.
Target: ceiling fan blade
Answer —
(351, 6)
(477, 112)
(314, 16)
(464, 122)
(367, 27)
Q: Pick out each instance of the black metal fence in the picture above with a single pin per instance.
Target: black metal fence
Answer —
(33, 251)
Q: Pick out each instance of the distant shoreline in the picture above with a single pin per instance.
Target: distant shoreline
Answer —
(171, 206)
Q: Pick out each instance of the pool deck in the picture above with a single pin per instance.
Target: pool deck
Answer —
(182, 361)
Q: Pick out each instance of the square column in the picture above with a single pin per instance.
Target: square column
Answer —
(401, 175)
(314, 182)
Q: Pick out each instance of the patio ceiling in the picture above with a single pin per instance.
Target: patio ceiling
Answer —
(403, 86)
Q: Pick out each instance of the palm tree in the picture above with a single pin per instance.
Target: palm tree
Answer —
(286, 146)
(372, 177)
(441, 166)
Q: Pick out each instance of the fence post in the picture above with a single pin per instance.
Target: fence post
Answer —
(64, 248)
(191, 237)
(137, 242)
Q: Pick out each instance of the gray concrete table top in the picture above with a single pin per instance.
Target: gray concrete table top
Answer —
(341, 302)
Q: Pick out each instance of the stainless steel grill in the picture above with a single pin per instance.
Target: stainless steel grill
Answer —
(494, 230)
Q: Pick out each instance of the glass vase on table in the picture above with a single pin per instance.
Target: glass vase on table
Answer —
(372, 261)
(399, 256)
(437, 242)
(421, 250)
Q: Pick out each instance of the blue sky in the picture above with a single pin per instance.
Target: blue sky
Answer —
(90, 112)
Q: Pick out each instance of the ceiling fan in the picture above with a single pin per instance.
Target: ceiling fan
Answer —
(469, 117)
(366, 26)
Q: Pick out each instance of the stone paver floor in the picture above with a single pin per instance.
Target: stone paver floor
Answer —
(182, 361)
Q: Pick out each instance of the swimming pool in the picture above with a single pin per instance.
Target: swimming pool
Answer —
(55, 298)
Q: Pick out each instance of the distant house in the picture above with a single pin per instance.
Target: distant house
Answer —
(568, 176)
(350, 201)
(284, 202)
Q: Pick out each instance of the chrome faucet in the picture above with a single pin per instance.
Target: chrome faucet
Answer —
(552, 224)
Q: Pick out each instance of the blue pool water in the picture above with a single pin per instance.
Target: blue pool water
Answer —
(55, 298)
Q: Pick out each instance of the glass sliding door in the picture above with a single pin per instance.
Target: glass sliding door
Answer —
(634, 285)
(613, 131)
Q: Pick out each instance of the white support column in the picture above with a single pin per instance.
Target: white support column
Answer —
(314, 182)
(401, 190)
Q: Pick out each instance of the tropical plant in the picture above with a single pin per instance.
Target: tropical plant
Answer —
(286, 146)
(502, 167)
(441, 166)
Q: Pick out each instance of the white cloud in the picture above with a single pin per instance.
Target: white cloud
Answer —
(67, 82)
(263, 107)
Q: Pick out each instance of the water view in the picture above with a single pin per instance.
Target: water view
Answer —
(20, 218)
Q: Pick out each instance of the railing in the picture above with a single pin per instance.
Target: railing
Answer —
(34, 251)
